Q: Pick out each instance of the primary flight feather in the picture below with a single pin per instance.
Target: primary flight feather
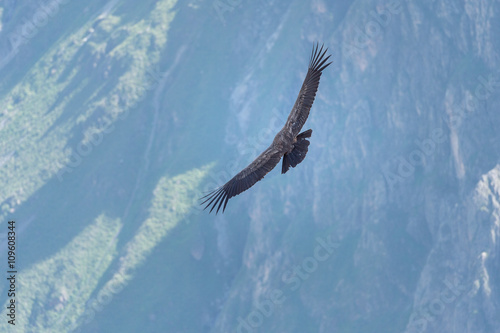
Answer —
(288, 143)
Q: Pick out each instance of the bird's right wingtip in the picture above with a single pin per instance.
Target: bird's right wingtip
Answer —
(317, 61)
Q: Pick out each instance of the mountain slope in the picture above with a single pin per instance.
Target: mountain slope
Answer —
(116, 117)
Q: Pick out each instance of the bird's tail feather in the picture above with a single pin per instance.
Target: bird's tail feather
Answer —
(305, 134)
(298, 153)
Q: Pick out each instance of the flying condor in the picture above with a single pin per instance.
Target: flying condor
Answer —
(288, 143)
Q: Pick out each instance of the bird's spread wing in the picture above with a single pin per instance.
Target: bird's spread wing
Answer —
(300, 111)
(243, 180)
(272, 155)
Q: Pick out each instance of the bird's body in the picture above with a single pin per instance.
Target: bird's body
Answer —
(287, 143)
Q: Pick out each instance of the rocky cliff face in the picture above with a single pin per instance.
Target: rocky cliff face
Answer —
(391, 223)
(403, 169)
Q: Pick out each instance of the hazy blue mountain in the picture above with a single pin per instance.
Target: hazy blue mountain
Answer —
(115, 117)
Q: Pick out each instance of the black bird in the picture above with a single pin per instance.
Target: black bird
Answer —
(288, 143)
